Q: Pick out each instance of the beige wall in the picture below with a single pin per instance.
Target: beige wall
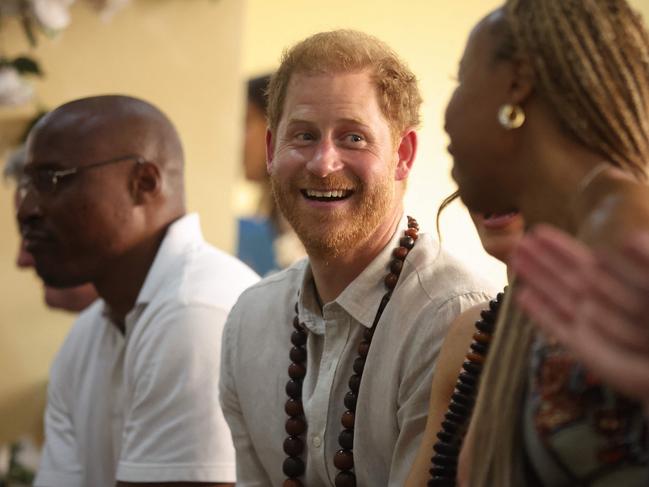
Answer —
(183, 55)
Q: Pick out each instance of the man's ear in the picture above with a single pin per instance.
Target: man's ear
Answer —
(406, 151)
(270, 150)
(146, 182)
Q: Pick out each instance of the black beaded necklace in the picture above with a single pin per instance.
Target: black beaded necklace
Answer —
(293, 466)
(456, 420)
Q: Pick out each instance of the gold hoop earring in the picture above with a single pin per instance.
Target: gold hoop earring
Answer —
(511, 116)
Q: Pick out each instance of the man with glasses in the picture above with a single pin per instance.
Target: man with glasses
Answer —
(133, 391)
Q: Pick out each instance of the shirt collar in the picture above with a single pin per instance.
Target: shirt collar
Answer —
(184, 232)
(360, 299)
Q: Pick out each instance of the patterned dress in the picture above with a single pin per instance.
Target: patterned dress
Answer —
(578, 432)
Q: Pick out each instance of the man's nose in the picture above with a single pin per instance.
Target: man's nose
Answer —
(326, 159)
(28, 203)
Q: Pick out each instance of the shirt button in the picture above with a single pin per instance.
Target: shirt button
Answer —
(317, 441)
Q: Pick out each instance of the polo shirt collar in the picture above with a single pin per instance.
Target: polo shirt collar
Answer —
(360, 299)
(180, 234)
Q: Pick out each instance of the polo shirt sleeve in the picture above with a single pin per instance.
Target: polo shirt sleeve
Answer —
(250, 472)
(414, 389)
(174, 429)
(60, 465)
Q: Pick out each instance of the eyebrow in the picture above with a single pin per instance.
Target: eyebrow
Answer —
(352, 120)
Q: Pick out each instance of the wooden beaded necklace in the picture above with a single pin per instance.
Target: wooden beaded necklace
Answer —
(446, 450)
(293, 466)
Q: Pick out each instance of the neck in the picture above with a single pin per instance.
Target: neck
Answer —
(557, 176)
(333, 275)
(121, 285)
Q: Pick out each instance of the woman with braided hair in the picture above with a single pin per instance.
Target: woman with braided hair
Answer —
(551, 118)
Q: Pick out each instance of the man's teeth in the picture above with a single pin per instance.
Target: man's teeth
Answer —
(326, 194)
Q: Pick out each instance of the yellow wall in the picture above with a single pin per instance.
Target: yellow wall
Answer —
(184, 56)
(430, 36)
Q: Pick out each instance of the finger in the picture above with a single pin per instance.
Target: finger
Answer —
(622, 286)
(612, 325)
(637, 248)
(546, 315)
(557, 285)
(624, 370)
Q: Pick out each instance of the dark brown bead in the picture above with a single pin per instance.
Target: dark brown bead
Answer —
(481, 337)
(344, 460)
(355, 382)
(293, 467)
(350, 401)
(454, 418)
(294, 389)
(444, 471)
(298, 354)
(458, 409)
(296, 310)
(298, 338)
(292, 483)
(466, 389)
(446, 449)
(359, 365)
(296, 371)
(345, 479)
(487, 315)
(363, 348)
(450, 427)
(472, 368)
(391, 281)
(486, 327)
(348, 419)
(444, 460)
(346, 439)
(368, 334)
(295, 426)
(444, 436)
(293, 446)
(396, 266)
(296, 323)
(480, 348)
(467, 379)
(294, 408)
(400, 253)
(462, 399)
(475, 358)
(412, 233)
(407, 242)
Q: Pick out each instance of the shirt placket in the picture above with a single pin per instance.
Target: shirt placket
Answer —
(320, 434)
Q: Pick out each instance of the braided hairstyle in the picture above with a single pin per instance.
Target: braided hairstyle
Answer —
(591, 60)
(591, 64)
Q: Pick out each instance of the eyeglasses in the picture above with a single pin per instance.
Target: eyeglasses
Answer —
(46, 181)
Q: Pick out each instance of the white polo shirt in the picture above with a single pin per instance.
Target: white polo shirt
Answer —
(143, 406)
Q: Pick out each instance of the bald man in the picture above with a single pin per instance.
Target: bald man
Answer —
(133, 393)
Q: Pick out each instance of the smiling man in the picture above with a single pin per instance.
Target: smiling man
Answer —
(133, 394)
(326, 366)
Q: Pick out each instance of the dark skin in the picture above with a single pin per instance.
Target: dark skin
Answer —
(104, 225)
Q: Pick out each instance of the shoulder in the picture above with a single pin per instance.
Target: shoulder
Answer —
(443, 278)
(209, 276)
(621, 209)
(271, 290)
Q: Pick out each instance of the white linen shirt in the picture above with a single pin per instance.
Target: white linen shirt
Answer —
(394, 395)
(143, 406)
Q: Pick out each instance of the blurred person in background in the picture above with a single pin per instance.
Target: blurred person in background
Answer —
(267, 243)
